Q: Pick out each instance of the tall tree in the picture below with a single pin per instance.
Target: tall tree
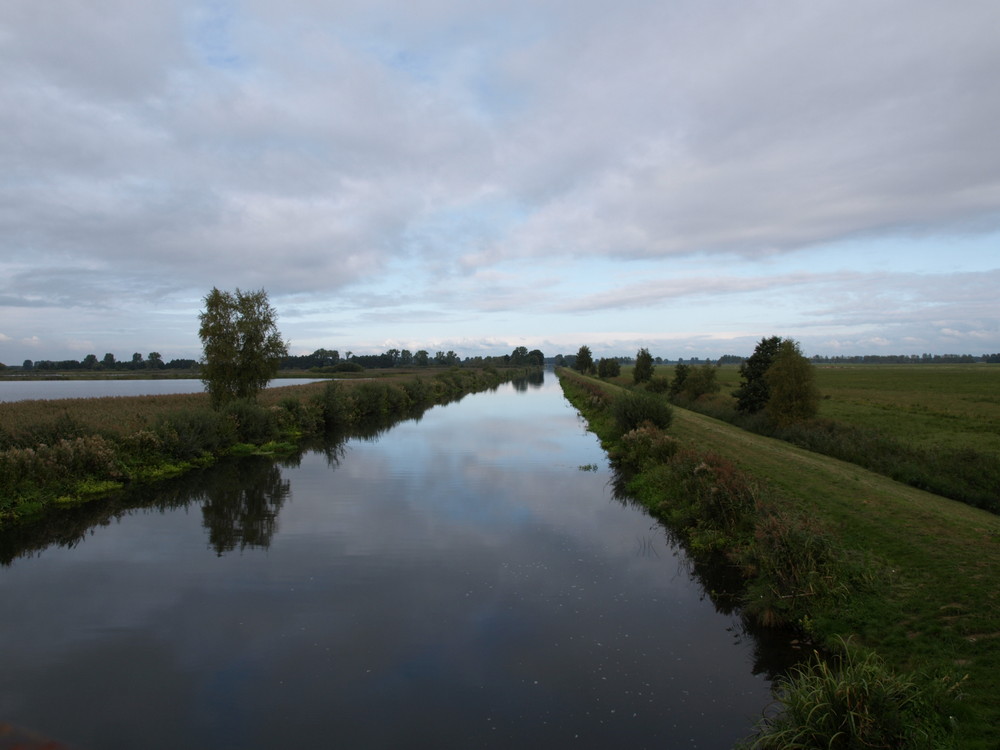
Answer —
(791, 380)
(155, 361)
(108, 361)
(241, 343)
(584, 360)
(643, 371)
(753, 393)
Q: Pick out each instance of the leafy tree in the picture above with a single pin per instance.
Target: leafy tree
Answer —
(108, 361)
(608, 368)
(421, 358)
(584, 360)
(681, 372)
(643, 371)
(753, 393)
(536, 357)
(519, 357)
(28, 365)
(241, 342)
(791, 380)
(155, 361)
(405, 358)
(136, 361)
(90, 362)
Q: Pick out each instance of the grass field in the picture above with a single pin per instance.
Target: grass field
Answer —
(937, 608)
(941, 612)
(930, 406)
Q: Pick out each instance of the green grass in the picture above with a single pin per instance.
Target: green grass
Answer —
(938, 608)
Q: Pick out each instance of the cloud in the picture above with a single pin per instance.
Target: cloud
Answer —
(418, 150)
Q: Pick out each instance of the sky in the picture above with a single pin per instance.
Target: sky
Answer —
(472, 175)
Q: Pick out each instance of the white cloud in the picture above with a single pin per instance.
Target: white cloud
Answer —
(462, 162)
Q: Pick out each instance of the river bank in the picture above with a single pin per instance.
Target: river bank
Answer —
(63, 452)
(842, 554)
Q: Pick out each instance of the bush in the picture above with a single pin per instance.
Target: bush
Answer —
(632, 410)
(188, 434)
(608, 368)
(645, 445)
(253, 423)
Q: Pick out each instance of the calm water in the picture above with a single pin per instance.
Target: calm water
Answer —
(460, 582)
(23, 390)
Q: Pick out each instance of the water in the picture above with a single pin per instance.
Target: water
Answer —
(24, 390)
(459, 582)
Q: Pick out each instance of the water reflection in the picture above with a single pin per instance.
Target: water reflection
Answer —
(454, 583)
(241, 503)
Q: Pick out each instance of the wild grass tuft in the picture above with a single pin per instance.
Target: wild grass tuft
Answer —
(857, 702)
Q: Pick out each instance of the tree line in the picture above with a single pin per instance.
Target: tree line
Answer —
(154, 361)
(777, 379)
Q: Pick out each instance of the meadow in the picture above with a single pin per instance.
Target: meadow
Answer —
(934, 427)
(844, 555)
(927, 406)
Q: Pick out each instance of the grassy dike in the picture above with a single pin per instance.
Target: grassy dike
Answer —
(909, 581)
(60, 453)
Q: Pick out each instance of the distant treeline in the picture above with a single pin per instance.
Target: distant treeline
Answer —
(153, 362)
(520, 357)
(321, 359)
(908, 359)
(567, 360)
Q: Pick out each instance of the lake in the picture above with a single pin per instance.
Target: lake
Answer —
(466, 580)
(24, 390)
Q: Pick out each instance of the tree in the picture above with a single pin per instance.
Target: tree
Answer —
(421, 358)
(90, 362)
(241, 343)
(608, 367)
(136, 361)
(753, 393)
(155, 361)
(791, 380)
(28, 365)
(536, 357)
(643, 371)
(108, 361)
(584, 360)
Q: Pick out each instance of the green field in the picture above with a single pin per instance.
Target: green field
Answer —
(936, 606)
(930, 406)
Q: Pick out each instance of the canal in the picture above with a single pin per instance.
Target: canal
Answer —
(467, 580)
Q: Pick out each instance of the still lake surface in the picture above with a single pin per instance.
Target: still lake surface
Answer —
(25, 390)
(460, 581)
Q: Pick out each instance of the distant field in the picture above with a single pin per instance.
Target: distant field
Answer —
(928, 406)
(944, 406)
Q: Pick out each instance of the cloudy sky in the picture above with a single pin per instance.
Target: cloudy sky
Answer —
(683, 175)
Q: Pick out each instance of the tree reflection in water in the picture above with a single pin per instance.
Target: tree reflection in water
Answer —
(240, 505)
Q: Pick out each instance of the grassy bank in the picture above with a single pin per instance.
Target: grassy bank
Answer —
(935, 427)
(843, 554)
(62, 452)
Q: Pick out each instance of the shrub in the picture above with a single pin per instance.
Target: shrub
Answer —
(188, 434)
(646, 445)
(253, 423)
(608, 368)
(658, 384)
(331, 406)
(632, 409)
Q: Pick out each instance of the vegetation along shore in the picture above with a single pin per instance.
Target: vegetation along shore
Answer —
(897, 587)
(63, 452)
